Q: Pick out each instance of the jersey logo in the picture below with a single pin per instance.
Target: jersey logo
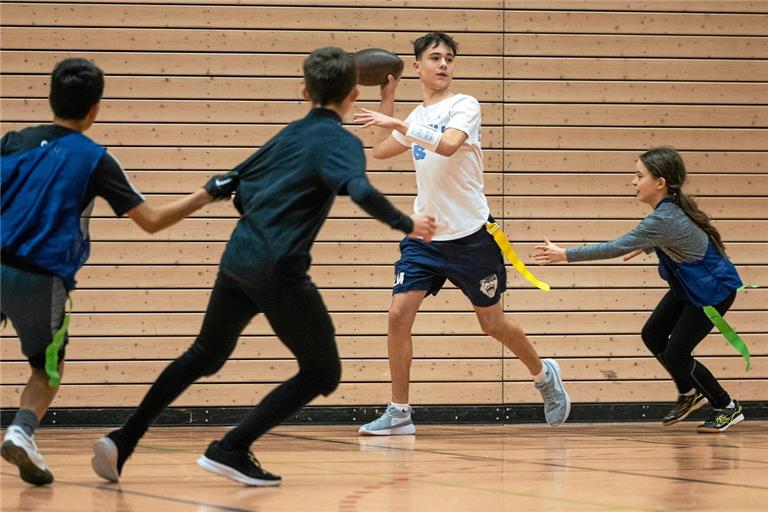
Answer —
(400, 278)
(488, 285)
(221, 182)
(419, 153)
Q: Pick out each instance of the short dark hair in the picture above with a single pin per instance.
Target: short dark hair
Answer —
(329, 74)
(76, 86)
(431, 40)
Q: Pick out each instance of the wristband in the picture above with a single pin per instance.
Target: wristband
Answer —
(424, 135)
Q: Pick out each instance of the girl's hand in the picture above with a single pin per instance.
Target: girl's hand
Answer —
(632, 254)
(372, 118)
(548, 253)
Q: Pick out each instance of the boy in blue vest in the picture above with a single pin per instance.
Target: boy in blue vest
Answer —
(50, 176)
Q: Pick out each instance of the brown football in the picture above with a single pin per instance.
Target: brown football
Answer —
(374, 64)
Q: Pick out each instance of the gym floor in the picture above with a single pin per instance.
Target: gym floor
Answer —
(577, 467)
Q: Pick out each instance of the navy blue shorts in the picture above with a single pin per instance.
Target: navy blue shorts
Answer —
(473, 263)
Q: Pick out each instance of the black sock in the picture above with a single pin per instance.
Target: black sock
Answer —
(27, 420)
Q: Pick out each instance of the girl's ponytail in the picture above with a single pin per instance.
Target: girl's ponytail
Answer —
(665, 162)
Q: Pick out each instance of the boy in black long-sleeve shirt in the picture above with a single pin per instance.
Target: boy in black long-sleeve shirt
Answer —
(286, 191)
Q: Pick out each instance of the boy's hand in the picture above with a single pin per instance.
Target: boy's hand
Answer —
(373, 118)
(548, 253)
(221, 186)
(424, 226)
(388, 89)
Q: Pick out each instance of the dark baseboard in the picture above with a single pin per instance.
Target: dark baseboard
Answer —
(343, 415)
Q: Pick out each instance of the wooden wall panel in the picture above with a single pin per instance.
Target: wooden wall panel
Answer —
(571, 90)
(206, 40)
(252, 17)
(82, 348)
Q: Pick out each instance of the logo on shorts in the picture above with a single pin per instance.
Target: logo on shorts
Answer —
(399, 278)
(489, 284)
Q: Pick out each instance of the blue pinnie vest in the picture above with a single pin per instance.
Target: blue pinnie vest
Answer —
(706, 282)
(42, 199)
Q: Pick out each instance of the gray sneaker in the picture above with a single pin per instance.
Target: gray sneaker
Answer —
(394, 421)
(20, 449)
(557, 405)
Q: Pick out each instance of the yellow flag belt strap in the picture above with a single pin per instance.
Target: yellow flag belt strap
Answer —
(506, 248)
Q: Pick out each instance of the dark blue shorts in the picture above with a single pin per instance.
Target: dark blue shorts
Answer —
(473, 263)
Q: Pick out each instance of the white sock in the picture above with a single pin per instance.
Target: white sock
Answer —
(689, 393)
(405, 408)
(730, 405)
(542, 376)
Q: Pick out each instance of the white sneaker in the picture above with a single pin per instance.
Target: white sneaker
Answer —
(20, 449)
(104, 460)
(392, 422)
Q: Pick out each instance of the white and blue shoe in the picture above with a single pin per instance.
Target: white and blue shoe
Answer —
(557, 404)
(393, 422)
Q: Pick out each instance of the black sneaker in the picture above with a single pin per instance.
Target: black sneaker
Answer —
(240, 466)
(685, 405)
(721, 419)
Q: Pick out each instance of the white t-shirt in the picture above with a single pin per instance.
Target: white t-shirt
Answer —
(450, 188)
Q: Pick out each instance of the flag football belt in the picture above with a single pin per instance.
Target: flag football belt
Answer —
(506, 248)
(52, 350)
(727, 331)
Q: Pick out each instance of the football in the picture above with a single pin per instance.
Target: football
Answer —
(374, 64)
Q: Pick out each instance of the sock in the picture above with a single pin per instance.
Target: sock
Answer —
(730, 405)
(27, 420)
(541, 378)
(690, 392)
(404, 408)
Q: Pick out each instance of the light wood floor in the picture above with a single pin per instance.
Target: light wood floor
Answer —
(605, 467)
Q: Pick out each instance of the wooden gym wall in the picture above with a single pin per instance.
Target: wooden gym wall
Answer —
(572, 91)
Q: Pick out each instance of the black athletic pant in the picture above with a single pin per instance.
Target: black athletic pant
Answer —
(672, 332)
(300, 319)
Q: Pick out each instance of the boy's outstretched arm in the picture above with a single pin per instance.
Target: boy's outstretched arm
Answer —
(447, 144)
(378, 206)
(155, 218)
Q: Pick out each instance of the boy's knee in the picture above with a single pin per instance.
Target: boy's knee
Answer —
(398, 319)
(204, 363)
(326, 378)
(499, 328)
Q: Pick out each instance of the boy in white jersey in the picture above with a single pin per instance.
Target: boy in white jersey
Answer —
(443, 134)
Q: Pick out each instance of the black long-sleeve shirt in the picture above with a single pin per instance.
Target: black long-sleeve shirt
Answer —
(287, 189)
